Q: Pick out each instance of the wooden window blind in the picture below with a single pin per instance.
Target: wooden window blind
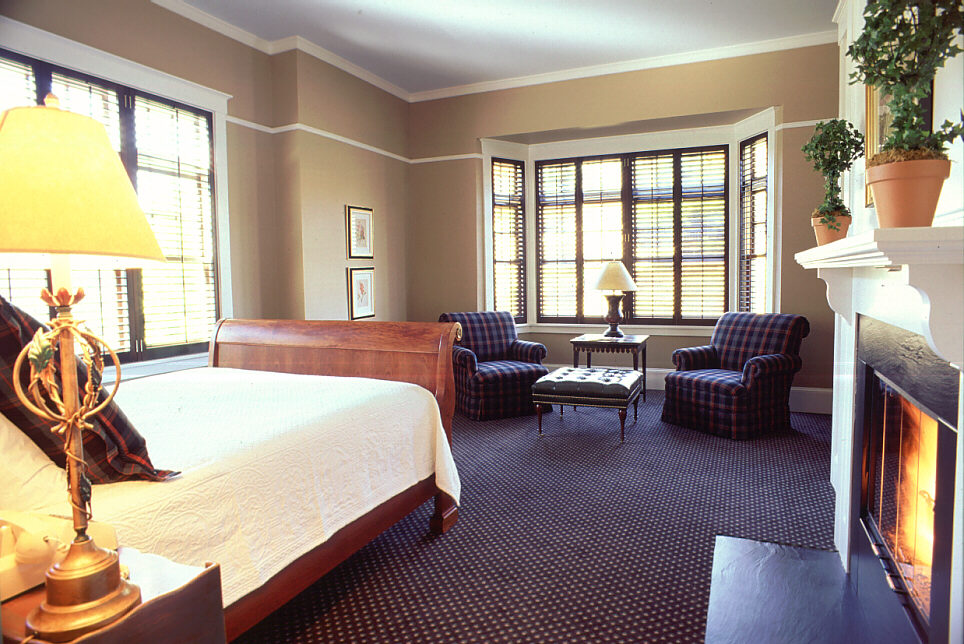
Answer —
(662, 213)
(145, 313)
(653, 248)
(702, 234)
(601, 220)
(508, 237)
(752, 281)
(558, 279)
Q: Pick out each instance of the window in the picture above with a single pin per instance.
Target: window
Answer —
(752, 284)
(663, 213)
(166, 147)
(508, 237)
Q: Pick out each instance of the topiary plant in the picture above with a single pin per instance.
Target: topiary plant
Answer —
(903, 44)
(832, 149)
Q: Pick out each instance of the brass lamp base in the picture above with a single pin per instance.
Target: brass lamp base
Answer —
(84, 592)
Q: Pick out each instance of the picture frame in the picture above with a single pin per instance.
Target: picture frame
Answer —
(877, 125)
(361, 293)
(359, 229)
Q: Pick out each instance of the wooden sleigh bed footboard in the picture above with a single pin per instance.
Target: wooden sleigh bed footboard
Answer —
(416, 352)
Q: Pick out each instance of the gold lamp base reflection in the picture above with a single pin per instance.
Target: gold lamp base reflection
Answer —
(85, 591)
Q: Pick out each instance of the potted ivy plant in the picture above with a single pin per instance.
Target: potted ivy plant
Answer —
(832, 149)
(903, 44)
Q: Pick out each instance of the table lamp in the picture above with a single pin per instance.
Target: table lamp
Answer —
(65, 191)
(614, 277)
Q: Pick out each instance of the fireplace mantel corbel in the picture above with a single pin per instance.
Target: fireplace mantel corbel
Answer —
(909, 277)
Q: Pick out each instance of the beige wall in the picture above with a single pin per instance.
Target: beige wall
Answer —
(802, 82)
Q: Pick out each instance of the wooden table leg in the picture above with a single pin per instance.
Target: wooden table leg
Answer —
(575, 358)
(644, 373)
(622, 425)
(588, 359)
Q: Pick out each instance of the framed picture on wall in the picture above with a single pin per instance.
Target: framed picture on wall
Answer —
(359, 227)
(361, 293)
(878, 122)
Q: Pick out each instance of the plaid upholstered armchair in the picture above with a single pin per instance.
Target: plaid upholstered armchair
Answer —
(738, 386)
(494, 369)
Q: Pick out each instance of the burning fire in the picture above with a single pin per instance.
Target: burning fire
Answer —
(915, 500)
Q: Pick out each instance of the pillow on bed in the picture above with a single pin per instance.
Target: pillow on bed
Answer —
(28, 478)
(113, 449)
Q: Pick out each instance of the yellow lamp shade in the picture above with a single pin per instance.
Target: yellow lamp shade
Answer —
(63, 188)
(615, 277)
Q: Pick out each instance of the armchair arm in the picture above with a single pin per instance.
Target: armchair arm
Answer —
(527, 351)
(465, 358)
(774, 364)
(691, 358)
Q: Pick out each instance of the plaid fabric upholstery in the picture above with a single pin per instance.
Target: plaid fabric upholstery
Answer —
(527, 351)
(113, 449)
(488, 334)
(740, 336)
(746, 391)
(696, 358)
(498, 385)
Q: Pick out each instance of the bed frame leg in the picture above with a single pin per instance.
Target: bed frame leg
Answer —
(446, 514)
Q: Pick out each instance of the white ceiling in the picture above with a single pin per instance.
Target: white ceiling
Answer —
(421, 46)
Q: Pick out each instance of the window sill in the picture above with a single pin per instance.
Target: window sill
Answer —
(134, 370)
(629, 329)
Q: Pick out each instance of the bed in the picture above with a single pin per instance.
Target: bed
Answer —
(279, 505)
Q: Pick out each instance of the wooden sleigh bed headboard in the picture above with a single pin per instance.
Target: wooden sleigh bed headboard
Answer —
(416, 352)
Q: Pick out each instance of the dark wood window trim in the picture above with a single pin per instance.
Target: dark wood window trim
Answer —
(751, 182)
(515, 201)
(628, 236)
(126, 97)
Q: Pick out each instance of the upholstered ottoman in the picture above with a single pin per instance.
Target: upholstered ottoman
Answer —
(614, 388)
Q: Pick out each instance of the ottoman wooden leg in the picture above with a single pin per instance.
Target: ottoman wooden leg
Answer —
(622, 425)
(539, 416)
(636, 409)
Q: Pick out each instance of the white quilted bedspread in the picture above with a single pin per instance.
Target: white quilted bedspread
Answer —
(272, 465)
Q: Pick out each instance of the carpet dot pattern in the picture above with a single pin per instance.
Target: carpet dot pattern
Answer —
(573, 537)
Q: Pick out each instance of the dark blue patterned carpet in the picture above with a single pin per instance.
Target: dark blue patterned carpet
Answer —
(573, 537)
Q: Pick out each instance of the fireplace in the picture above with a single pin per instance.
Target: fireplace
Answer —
(907, 401)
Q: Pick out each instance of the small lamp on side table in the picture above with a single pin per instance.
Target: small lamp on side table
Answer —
(614, 277)
(65, 192)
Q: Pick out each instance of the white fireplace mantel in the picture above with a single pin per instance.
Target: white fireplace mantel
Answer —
(909, 277)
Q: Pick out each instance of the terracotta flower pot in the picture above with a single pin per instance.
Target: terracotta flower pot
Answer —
(824, 234)
(906, 192)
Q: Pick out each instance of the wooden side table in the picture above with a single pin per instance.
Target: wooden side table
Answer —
(598, 343)
(178, 604)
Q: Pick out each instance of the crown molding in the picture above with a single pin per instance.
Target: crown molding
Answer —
(702, 55)
(271, 47)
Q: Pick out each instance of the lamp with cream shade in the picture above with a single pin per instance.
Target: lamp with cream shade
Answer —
(614, 277)
(65, 191)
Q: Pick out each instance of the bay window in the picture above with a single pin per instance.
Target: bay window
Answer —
(662, 213)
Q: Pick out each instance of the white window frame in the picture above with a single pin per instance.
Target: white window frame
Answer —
(728, 135)
(57, 50)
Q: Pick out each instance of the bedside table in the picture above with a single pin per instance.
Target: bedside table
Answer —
(178, 604)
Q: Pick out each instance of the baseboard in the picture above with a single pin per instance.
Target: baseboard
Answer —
(807, 400)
